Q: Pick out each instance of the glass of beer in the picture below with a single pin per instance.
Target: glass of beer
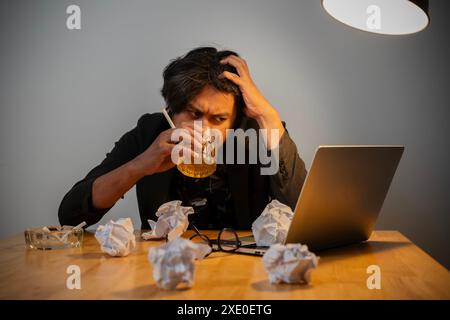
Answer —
(198, 168)
(206, 165)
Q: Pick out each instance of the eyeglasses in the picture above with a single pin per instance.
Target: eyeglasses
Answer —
(227, 240)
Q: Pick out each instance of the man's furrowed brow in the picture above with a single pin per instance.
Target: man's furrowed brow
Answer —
(191, 106)
(221, 114)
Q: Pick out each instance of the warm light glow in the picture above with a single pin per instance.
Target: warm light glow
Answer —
(394, 17)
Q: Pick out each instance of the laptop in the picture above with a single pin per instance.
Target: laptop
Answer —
(341, 197)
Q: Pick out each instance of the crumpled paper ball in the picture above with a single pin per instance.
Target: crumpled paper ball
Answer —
(272, 225)
(291, 263)
(173, 262)
(116, 238)
(172, 221)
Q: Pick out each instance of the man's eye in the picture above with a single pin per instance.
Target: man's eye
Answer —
(221, 119)
(196, 114)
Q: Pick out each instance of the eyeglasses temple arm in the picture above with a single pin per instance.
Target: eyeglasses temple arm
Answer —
(195, 229)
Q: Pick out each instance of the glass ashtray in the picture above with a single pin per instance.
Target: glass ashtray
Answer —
(53, 237)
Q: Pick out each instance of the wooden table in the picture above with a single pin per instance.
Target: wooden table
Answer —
(407, 272)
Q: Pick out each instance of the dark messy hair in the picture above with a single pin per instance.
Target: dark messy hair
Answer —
(186, 76)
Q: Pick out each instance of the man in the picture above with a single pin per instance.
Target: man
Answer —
(214, 87)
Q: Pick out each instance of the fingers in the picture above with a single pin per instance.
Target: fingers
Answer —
(237, 62)
(187, 141)
(233, 77)
(194, 125)
(167, 149)
(195, 133)
(187, 134)
(187, 137)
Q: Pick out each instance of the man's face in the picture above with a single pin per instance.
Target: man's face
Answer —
(216, 110)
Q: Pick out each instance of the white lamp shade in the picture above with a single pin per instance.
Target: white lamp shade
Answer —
(395, 17)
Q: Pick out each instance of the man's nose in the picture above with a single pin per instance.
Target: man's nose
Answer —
(204, 123)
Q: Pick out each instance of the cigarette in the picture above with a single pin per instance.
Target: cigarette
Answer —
(81, 225)
(169, 120)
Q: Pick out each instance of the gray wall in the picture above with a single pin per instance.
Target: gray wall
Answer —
(67, 96)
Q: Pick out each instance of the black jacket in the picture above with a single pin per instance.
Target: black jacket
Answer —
(250, 190)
